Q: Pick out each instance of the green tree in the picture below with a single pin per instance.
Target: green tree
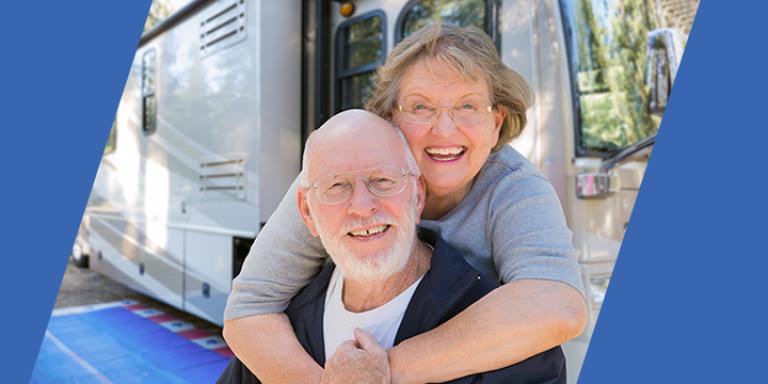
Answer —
(635, 18)
(158, 11)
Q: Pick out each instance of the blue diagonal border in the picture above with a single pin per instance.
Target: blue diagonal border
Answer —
(64, 66)
(687, 302)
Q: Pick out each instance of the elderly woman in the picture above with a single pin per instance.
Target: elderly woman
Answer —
(459, 106)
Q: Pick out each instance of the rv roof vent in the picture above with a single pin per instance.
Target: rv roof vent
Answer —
(222, 25)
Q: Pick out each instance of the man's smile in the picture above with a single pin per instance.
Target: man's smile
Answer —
(369, 232)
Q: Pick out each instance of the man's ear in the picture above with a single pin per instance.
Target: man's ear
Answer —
(306, 215)
(421, 197)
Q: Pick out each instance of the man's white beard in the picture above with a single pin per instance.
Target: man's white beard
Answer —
(384, 263)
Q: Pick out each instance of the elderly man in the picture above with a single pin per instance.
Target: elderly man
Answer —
(363, 199)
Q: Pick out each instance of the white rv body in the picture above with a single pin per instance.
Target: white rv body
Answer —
(237, 85)
(166, 206)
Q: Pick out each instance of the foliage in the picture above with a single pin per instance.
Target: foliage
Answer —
(158, 11)
(458, 12)
(611, 54)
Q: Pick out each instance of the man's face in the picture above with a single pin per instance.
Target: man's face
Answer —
(369, 239)
(368, 236)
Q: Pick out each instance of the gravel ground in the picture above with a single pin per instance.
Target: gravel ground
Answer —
(85, 287)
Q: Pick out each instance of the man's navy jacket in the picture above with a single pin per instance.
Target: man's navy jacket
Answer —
(449, 287)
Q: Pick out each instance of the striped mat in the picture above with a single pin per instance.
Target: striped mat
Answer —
(126, 342)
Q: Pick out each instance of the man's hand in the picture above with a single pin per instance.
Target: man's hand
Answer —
(358, 361)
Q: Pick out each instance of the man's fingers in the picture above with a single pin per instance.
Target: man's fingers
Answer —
(368, 343)
(348, 345)
(358, 361)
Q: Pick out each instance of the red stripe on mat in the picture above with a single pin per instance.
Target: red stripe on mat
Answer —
(194, 334)
(162, 318)
(136, 307)
(224, 351)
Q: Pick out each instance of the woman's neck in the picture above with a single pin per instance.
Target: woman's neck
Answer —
(440, 203)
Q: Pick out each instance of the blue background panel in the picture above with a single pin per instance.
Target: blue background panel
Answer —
(64, 65)
(687, 301)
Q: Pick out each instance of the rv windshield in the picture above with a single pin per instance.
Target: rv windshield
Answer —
(607, 51)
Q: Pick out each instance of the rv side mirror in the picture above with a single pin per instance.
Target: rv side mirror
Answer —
(664, 50)
(594, 185)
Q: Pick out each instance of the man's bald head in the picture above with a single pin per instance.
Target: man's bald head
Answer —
(347, 137)
(369, 231)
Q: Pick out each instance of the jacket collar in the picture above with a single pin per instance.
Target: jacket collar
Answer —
(447, 281)
(444, 285)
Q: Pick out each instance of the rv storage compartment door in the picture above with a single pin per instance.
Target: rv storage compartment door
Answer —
(207, 274)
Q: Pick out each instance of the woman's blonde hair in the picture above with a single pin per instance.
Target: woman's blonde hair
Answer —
(471, 52)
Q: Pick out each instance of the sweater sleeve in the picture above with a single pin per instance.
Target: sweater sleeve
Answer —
(283, 259)
(528, 233)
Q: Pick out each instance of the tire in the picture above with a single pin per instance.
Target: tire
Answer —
(78, 258)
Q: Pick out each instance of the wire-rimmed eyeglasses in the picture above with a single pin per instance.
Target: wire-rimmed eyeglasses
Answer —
(464, 113)
(338, 188)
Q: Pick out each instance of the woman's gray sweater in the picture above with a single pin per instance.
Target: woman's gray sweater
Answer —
(510, 226)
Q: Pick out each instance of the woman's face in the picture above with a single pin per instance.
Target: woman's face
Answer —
(449, 151)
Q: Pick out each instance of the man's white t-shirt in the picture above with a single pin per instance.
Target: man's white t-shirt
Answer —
(381, 322)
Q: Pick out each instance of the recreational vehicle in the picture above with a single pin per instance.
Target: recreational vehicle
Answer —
(222, 94)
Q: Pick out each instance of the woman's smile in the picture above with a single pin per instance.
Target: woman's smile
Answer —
(446, 153)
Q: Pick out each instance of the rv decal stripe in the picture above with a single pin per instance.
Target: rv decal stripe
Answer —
(175, 225)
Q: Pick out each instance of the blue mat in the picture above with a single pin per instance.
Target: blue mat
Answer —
(117, 344)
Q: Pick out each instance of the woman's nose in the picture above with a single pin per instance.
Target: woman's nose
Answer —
(444, 125)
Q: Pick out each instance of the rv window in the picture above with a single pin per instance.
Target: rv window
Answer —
(356, 89)
(359, 50)
(148, 98)
(463, 12)
(607, 52)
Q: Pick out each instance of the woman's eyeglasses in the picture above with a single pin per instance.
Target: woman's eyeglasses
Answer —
(464, 113)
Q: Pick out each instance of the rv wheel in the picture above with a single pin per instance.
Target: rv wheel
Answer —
(78, 258)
